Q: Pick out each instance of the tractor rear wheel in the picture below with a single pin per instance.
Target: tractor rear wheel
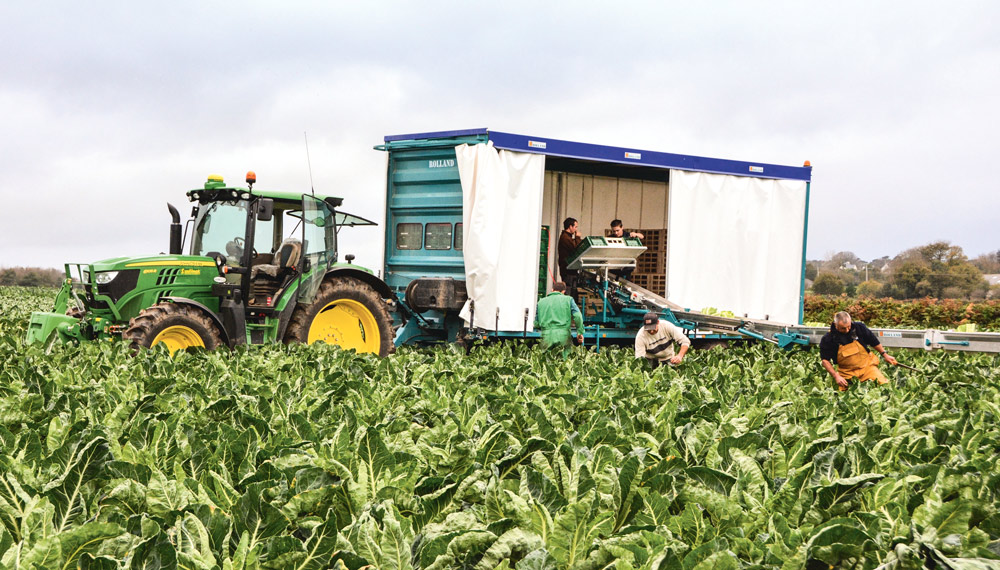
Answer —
(346, 312)
(174, 325)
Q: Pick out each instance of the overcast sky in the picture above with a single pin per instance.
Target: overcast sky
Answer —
(110, 109)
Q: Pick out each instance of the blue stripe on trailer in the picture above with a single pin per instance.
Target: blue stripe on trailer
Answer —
(623, 155)
(618, 155)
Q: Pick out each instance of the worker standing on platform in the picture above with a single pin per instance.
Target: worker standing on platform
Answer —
(555, 314)
(655, 341)
(848, 346)
(569, 240)
(618, 230)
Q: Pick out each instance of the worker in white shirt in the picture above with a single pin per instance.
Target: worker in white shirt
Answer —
(655, 341)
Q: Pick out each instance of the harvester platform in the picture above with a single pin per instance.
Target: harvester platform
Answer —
(788, 335)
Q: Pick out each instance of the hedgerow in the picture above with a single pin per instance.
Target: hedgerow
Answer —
(894, 313)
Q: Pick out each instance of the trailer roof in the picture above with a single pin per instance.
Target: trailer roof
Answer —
(617, 155)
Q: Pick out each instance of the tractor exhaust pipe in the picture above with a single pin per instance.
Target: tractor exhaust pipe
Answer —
(175, 230)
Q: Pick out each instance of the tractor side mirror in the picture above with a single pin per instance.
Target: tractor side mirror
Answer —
(265, 209)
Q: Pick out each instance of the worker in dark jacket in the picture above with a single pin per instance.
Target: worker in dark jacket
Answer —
(618, 230)
(848, 346)
(556, 313)
(569, 240)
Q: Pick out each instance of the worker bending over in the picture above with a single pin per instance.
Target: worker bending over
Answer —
(655, 341)
(848, 347)
(555, 314)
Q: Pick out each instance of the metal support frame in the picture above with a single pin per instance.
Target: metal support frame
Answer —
(788, 336)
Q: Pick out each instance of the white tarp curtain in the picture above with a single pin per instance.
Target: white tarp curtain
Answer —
(502, 217)
(735, 243)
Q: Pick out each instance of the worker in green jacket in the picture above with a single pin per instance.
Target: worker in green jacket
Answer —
(556, 312)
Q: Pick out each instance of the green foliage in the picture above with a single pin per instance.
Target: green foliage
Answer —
(714, 311)
(828, 284)
(870, 288)
(891, 313)
(937, 269)
(988, 262)
(311, 457)
(811, 271)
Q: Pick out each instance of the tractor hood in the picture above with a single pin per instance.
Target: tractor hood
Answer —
(154, 262)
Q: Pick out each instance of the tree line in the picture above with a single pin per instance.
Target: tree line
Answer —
(31, 277)
(939, 270)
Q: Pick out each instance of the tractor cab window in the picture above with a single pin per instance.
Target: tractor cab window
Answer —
(291, 222)
(263, 236)
(220, 227)
(318, 224)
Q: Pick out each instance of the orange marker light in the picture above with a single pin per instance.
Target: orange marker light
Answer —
(807, 163)
(251, 177)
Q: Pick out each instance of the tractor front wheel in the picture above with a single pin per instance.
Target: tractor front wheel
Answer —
(346, 312)
(174, 325)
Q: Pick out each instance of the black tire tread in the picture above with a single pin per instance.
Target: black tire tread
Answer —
(144, 327)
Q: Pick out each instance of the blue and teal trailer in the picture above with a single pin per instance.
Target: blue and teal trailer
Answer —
(473, 218)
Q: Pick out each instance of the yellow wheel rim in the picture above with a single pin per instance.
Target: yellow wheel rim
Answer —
(346, 323)
(178, 337)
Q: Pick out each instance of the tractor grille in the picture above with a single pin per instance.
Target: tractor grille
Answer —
(167, 276)
(123, 283)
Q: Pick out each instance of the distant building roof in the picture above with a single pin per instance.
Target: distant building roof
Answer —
(992, 278)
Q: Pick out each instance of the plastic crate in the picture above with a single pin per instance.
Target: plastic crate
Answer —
(651, 263)
(654, 283)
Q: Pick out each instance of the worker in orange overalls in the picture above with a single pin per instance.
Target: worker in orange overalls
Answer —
(848, 346)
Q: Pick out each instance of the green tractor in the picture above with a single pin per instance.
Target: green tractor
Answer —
(262, 268)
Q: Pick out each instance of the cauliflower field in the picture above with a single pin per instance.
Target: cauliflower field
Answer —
(310, 457)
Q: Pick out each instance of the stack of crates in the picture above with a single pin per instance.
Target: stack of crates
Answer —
(543, 262)
(651, 267)
(591, 303)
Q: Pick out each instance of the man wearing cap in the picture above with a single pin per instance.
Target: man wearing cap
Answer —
(848, 346)
(655, 341)
(556, 313)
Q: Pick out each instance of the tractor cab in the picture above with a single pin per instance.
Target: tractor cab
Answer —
(273, 250)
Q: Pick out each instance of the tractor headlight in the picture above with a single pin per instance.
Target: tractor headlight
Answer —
(105, 277)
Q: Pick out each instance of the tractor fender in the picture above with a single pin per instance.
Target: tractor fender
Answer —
(215, 318)
(381, 287)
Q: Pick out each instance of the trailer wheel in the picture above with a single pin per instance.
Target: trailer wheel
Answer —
(346, 312)
(174, 325)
